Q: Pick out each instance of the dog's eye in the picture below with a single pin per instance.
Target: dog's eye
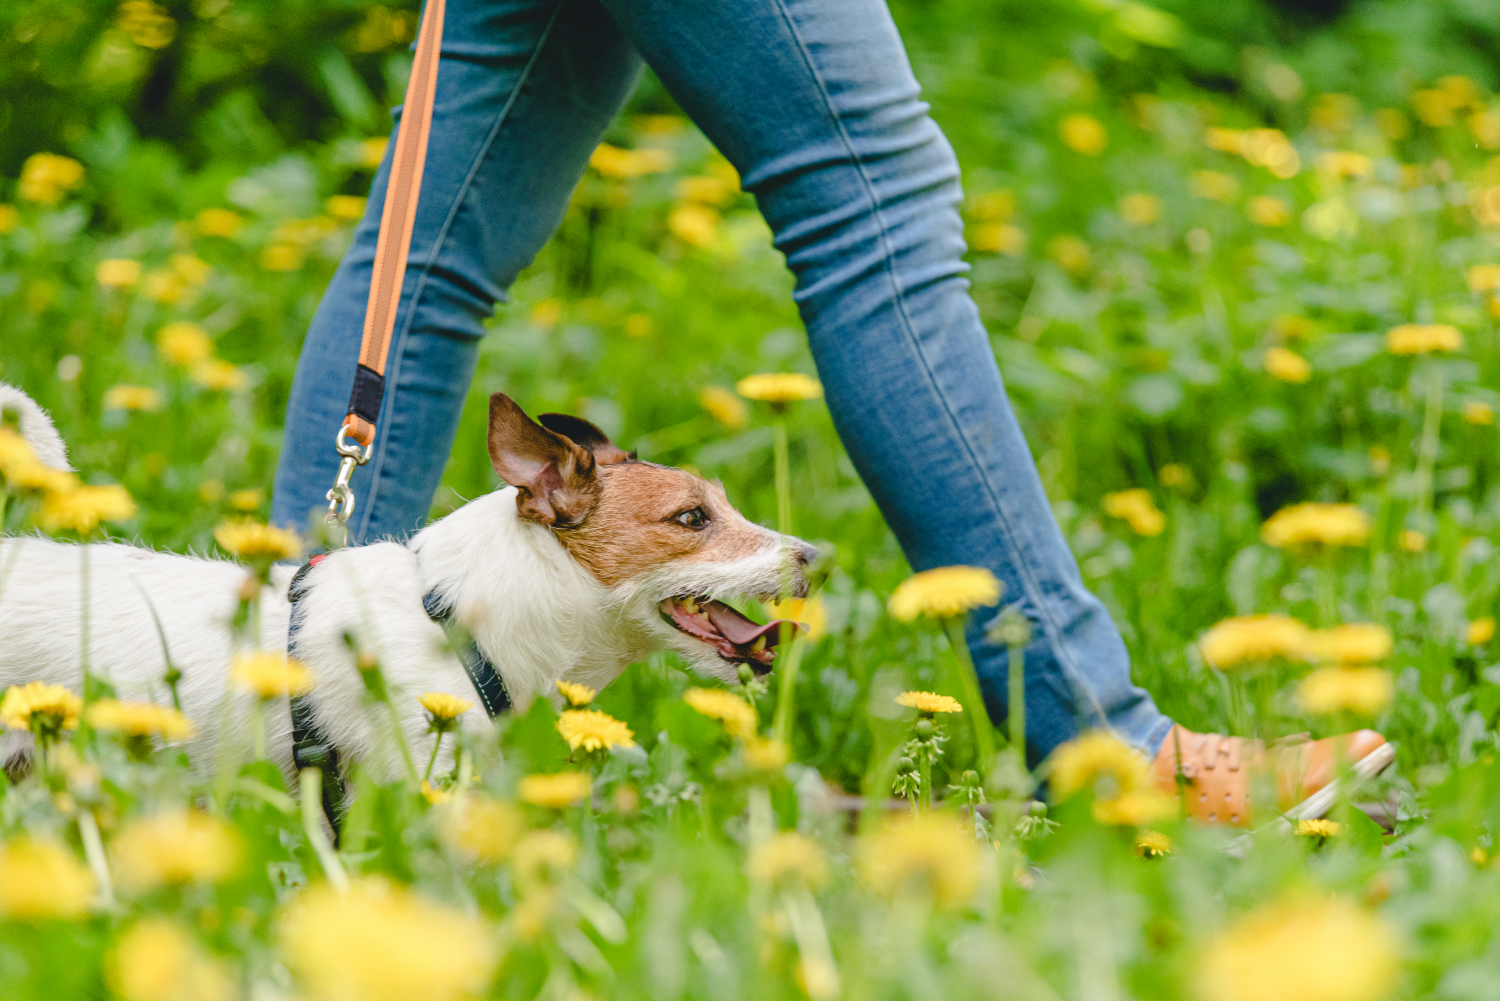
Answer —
(694, 518)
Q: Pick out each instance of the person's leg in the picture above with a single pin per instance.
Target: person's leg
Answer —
(524, 93)
(815, 104)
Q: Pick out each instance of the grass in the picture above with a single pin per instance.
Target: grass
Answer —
(1134, 292)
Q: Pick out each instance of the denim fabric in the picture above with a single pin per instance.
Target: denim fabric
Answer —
(815, 104)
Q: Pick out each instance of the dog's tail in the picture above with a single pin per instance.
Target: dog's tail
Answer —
(36, 427)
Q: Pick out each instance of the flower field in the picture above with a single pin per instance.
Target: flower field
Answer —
(1240, 265)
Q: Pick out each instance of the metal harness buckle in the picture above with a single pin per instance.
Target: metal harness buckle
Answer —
(341, 496)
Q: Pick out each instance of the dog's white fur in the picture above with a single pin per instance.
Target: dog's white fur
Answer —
(534, 611)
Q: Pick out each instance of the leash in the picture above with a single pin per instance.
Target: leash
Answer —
(311, 747)
(392, 246)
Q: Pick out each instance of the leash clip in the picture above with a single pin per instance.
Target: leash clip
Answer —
(341, 495)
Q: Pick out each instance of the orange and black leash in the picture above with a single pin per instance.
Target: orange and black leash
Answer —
(392, 247)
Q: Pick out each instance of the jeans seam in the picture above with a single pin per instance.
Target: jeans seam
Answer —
(393, 381)
(1064, 658)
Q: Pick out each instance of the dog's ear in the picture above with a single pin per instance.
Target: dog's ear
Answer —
(557, 479)
(581, 432)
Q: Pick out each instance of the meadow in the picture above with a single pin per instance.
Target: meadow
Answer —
(1232, 261)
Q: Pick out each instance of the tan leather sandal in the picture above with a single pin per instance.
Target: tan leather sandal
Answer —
(1216, 770)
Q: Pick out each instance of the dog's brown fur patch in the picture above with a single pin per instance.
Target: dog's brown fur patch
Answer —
(630, 531)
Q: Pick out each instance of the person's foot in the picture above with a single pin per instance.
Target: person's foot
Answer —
(1217, 770)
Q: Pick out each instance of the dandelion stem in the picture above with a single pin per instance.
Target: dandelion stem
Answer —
(924, 771)
(1017, 694)
(436, 745)
(258, 728)
(783, 479)
(1427, 448)
(984, 730)
(781, 726)
(312, 825)
(93, 851)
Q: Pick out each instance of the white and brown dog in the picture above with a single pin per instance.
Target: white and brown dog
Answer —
(590, 560)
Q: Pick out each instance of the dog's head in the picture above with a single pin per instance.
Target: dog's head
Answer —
(667, 540)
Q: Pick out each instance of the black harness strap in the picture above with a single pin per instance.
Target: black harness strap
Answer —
(312, 749)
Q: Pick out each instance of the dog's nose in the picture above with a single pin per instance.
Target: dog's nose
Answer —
(805, 553)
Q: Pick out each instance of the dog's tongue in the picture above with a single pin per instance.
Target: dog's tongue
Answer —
(741, 631)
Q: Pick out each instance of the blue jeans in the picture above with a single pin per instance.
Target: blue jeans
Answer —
(815, 104)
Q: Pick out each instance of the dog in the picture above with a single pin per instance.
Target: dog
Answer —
(587, 561)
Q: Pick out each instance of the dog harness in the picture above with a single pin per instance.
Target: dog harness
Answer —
(311, 748)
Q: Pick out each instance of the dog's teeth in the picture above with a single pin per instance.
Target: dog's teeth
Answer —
(690, 605)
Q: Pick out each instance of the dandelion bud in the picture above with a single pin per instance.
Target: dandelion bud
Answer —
(924, 729)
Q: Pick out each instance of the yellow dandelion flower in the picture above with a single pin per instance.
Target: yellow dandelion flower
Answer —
(998, 238)
(157, 960)
(591, 730)
(1480, 631)
(1412, 540)
(1255, 638)
(1134, 808)
(1099, 763)
(21, 470)
(147, 23)
(47, 177)
(576, 694)
(546, 313)
(175, 848)
(788, 856)
(929, 703)
(1479, 413)
(928, 854)
(347, 207)
(1140, 209)
(1313, 523)
(944, 592)
(779, 387)
(1137, 507)
(1302, 950)
(37, 705)
(1287, 366)
(765, 754)
(82, 508)
(1083, 134)
(381, 942)
(251, 540)
(1214, 186)
(992, 206)
(184, 344)
(810, 613)
(124, 397)
(712, 190)
(1354, 643)
(165, 287)
(556, 791)
(41, 879)
(435, 795)
(1174, 475)
(638, 325)
(372, 151)
(1319, 828)
(542, 857)
(694, 224)
(624, 164)
(1363, 690)
(9, 216)
(270, 675)
(1070, 253)
(118, 273)
(1263, 210)
(1484, 278)
(1342, 163)
(737, 715)
(1423, 338)
(1152, 844)
(485, 830)
(218, 374)
(139, 719)
(282, 257)
(725, 407)
(444, 707)
(218, 222)
(247, 500)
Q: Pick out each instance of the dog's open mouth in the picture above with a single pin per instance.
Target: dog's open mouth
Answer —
(727, 631)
